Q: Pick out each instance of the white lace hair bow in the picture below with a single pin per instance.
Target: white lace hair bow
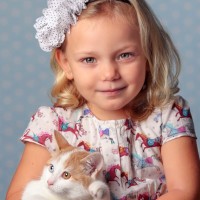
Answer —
(58, 17)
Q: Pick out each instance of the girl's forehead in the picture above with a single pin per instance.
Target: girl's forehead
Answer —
(104, 25)
(102, 33)
(118, 10)
(107, 19)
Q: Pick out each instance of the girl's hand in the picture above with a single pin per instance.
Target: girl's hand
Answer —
(30, 167)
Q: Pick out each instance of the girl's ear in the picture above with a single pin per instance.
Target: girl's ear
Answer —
(63, 63)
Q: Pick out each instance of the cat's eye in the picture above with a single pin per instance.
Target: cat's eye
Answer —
(51, 168)
(66, 175)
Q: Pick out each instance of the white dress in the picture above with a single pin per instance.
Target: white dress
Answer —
(131, 150)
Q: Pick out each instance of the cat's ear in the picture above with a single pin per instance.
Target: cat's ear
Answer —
(92, 163)
(61, 141)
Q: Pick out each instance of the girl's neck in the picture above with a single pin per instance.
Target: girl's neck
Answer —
(108, 114)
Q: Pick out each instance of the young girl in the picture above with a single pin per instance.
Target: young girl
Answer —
(116, 73)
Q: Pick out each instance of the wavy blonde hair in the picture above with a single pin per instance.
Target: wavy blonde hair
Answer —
(163, 60)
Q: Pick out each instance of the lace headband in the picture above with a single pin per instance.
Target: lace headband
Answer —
(56, 21)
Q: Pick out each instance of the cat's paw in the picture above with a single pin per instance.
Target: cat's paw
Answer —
(99, 191)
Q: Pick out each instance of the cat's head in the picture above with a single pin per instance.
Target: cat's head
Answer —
(71, 170)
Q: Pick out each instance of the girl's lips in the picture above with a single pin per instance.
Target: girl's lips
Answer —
(112, 92)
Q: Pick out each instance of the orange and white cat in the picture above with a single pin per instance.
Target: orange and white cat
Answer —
(70, 174)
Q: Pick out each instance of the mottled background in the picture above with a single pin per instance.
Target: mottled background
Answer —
(25, 78)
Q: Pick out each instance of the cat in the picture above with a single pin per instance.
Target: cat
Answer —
(70, 174)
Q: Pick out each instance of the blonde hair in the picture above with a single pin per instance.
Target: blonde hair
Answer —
(163, 59)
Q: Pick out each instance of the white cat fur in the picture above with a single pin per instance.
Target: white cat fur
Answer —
(61, 189)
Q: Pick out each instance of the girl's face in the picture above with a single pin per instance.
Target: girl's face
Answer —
(105, 59)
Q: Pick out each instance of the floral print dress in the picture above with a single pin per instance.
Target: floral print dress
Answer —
(131, 149)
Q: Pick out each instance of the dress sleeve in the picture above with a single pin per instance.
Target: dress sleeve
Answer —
(41, 127)
(177, 120)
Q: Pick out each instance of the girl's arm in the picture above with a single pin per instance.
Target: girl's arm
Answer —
(182, 169)
(30, 167)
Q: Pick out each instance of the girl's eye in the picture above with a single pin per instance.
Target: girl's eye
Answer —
(125, 55)
(51, 168)
(66, 175)
(89, 60)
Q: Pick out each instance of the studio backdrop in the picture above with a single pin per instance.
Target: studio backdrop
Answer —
(26, 78)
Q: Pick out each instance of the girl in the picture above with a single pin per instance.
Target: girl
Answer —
(116, 73)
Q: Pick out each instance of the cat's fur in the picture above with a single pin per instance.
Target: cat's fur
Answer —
(71, 174)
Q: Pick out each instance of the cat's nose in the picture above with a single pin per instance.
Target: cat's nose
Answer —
(49, 182)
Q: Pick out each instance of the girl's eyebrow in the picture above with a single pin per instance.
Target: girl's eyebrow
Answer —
(124, 48)
(84, 52)
(127, 47)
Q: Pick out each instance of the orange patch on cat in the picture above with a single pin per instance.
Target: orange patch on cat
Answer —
(78, 173)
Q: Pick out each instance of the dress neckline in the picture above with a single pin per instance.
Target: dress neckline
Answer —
(88, 112)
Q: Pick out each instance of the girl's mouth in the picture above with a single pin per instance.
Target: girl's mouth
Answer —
(112, 92)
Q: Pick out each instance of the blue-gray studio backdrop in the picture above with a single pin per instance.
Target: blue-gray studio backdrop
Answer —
(26, 79)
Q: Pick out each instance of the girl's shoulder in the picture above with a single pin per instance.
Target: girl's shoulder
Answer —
(170, 121)
(178, 103)
(176, 119)
(179, 100)
(178, 106)
(48, 119)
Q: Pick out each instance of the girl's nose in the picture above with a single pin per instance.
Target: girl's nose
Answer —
(109, 71)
